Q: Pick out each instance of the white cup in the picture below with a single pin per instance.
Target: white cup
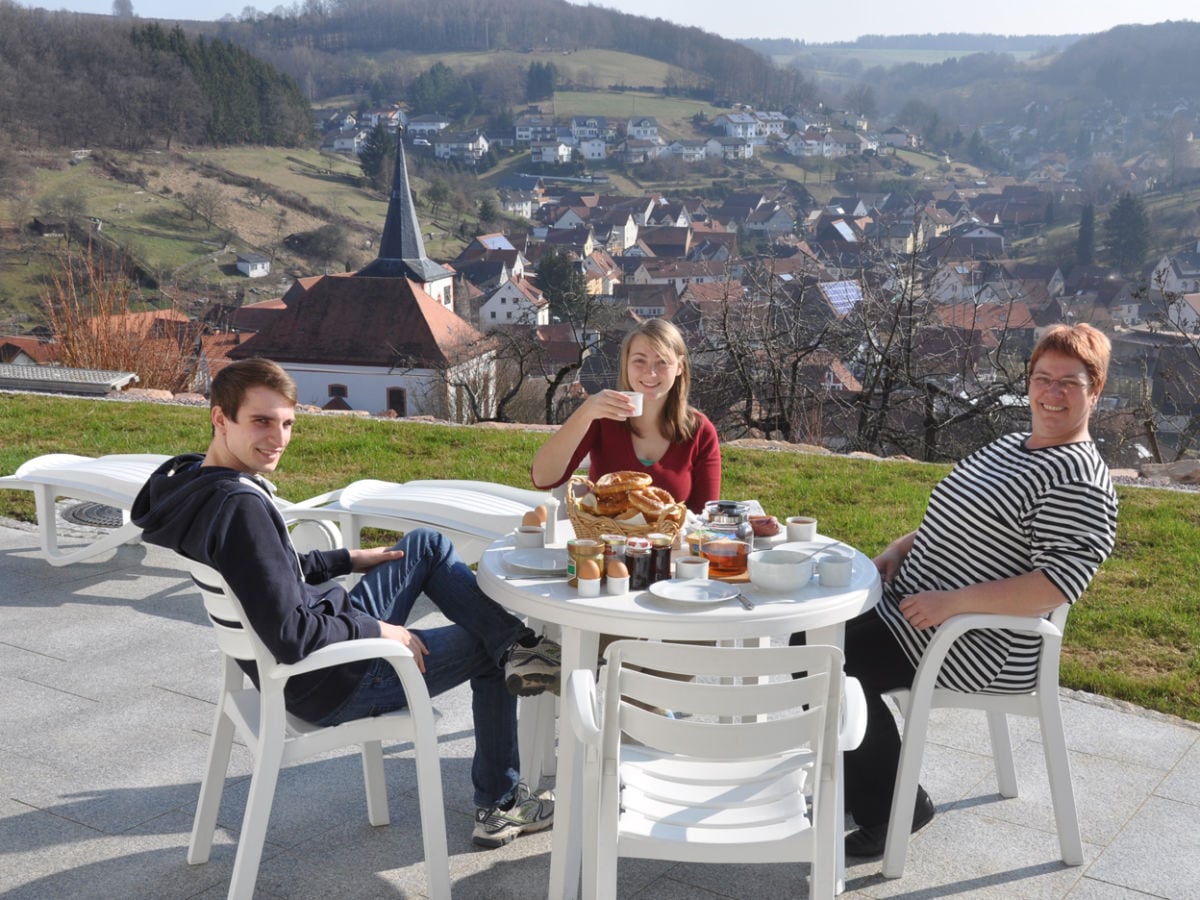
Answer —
(530, 536)
(636, 397)
(833, 569)
(589, 587)
(691, 567)
(801, 528)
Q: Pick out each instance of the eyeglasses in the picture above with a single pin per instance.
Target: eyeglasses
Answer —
(1066, 385)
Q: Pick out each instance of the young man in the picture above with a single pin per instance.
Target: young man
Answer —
(216, 508)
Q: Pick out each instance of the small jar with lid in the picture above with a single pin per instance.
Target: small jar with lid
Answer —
(578, 550)
(660, 556)
(637, 560)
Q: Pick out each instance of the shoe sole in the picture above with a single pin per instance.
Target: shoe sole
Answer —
(509, 834)
(530, 684)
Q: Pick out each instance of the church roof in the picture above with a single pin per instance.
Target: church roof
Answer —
(402, 249)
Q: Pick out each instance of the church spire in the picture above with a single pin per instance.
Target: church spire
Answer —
(401, 249)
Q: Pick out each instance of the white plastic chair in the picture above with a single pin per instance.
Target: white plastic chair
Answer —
(746, 776)
(1041, 703)
(277, 738)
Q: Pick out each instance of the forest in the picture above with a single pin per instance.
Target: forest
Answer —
(68, 80)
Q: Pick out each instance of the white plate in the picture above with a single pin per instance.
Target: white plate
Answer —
(540, 560)
(693, 590)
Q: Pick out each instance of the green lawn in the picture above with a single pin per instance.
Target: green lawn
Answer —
(1135, 635)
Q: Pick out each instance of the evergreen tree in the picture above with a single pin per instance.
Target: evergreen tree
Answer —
(377, 155)
(1085, 245)
(1127, 231)
(562, 283)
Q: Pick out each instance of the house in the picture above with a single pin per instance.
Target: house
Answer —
(737, 124)
(771, 122)
(593, 149)
(689, 151)
(349, 141)
(639, 150)
(589, 127)
(516, 302)
(729, 148)
(253, 265)
(535, 127)
(426, 126)
(647, 300)
(27, 351)
(1178, 273)
(470, 146)
(642, 128)
(895, 136)
(518, 203)
(550, 152)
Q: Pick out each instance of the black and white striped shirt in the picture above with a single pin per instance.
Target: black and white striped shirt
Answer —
(1003, 511)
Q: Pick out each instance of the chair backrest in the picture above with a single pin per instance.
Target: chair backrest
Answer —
(742, 703)
(235, 637)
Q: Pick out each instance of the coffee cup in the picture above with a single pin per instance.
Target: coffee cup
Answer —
(636, 398)
(801, 528)
(691, 567)
(530, 536)
(833, 570)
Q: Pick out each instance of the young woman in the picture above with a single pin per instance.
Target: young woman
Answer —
(672, 442)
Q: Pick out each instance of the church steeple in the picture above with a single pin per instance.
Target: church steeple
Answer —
(401, 249)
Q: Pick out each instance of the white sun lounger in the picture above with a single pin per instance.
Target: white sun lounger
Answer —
(112, 480)
(471, 513)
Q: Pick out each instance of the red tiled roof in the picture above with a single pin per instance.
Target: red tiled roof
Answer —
(352, 320)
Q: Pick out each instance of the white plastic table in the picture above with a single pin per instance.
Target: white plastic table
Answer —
(819, 611)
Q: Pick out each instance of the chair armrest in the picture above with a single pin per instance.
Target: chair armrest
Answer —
(579, 707)
(345, 652)
(955, 626)
(853, 727)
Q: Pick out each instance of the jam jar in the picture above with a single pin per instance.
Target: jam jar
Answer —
(637, 559)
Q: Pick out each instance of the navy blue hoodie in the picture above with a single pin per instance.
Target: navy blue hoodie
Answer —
(226, 519)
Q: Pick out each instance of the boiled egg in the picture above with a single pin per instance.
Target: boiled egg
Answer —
(540, 512)
(617, 569)
(588, 570)
(531, 518)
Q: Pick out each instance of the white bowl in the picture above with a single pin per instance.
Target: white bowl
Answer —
(781, 571)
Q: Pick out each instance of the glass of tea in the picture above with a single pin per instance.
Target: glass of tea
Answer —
(726, 556)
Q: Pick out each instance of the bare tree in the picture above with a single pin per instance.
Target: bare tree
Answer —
(207, 201)
(90, 307)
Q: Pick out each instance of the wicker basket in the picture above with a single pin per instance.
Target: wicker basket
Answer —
(590, 525)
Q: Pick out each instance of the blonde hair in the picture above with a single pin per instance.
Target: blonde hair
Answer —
(678, 420)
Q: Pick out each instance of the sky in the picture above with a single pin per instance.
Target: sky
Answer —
(814, 21)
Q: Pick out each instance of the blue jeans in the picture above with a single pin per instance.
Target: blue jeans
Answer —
(473, 649)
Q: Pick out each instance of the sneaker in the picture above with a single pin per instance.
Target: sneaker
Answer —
(531, 670)
(495, 827)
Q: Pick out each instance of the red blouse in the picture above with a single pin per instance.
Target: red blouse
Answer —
(690, 470)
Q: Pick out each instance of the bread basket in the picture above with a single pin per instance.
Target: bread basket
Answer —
(589, 525)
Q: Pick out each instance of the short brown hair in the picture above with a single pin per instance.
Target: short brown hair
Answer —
(230, 386)
(1087, 344)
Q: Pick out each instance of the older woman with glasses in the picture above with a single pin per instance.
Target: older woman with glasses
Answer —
(1017, 528)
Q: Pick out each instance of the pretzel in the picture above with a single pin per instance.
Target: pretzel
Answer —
(652, 501)
(621, 483)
